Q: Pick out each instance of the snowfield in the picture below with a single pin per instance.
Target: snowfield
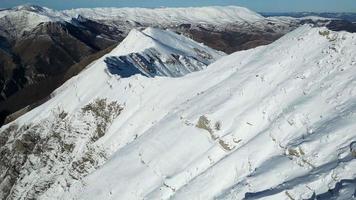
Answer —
(274, 122)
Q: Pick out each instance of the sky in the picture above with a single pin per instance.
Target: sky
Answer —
(256, 5)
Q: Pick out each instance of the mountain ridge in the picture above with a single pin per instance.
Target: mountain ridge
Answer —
(243, 127)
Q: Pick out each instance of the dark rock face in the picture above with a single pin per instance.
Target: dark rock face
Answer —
(35, 64)
(231, 41)
(98, 28)
(342, 25)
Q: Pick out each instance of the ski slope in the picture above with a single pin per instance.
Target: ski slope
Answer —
(274, 122)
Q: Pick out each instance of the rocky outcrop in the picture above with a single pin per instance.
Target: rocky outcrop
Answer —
(61, 147)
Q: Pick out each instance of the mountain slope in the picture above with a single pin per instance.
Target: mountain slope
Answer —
(46, 148)
(273, 122)
(287, 128)
(94, 31)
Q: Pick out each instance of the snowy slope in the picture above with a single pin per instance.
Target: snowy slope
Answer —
(275, 122)
(287, 124)
(151, 52)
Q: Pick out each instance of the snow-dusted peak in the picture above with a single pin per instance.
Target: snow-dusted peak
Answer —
(26, 17)
(31, 8)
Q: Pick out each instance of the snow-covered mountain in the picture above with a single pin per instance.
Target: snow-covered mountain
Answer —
(17, 20)
(151, 52)
(155, 52)
(274, 122)
(63, 40)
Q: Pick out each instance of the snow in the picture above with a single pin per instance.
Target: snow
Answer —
(287, 114)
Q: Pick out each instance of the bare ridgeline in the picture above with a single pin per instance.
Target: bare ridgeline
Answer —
(159, 110)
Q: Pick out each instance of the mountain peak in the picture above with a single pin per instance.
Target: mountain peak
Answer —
(135, 41)
(165, 40)
(159, 52)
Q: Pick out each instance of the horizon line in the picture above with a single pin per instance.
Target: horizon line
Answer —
(204, 6)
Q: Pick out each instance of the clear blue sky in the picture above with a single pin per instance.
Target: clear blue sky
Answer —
(256, 5)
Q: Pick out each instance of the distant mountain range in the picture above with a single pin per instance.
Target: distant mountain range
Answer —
(344, 16)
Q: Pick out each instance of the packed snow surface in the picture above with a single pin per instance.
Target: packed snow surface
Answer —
(275, 122)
